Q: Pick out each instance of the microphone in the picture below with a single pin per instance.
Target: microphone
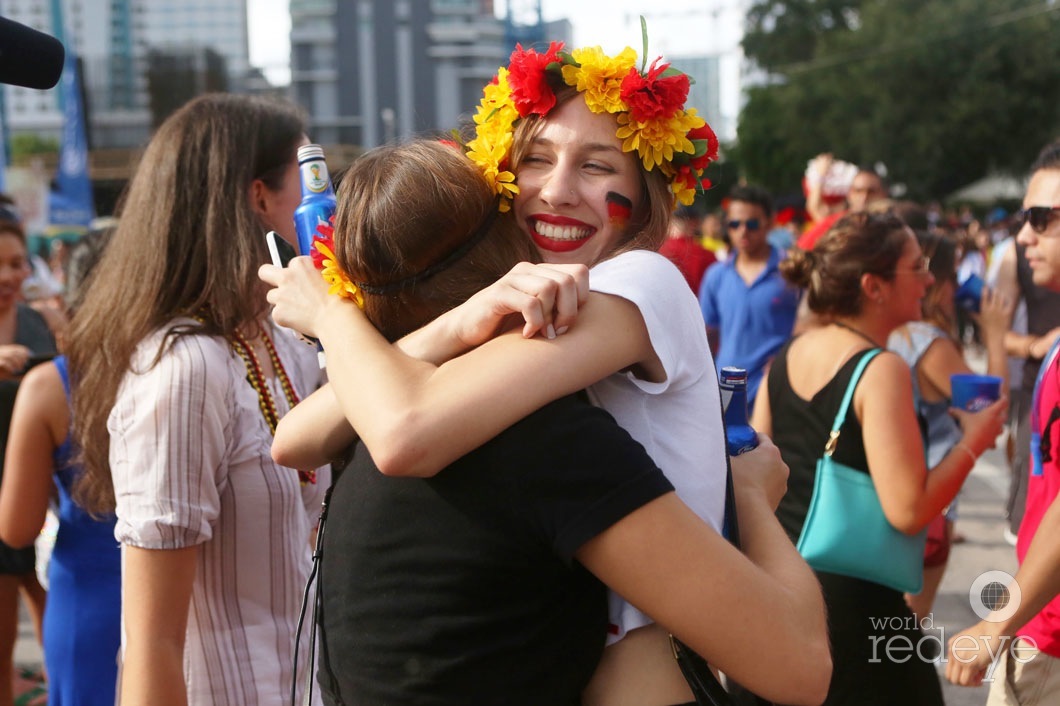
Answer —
(29, 58)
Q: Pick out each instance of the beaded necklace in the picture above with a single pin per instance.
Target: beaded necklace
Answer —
(256, 378)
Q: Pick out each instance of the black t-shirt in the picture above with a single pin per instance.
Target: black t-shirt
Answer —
(462, 589)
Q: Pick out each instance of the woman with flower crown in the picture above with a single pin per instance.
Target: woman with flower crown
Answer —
(471, 586)
(587, 153)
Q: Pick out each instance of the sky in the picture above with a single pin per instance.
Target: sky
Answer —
(674, 27)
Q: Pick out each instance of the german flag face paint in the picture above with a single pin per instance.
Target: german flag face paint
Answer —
(619, 210)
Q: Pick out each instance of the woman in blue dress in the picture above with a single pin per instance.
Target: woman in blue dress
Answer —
(82, 620)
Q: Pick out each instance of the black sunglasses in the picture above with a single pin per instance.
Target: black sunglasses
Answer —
(751, 223)
(1038, 216)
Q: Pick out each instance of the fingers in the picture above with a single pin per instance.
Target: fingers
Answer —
(270, 274)
(13, 358)
(557, 292)
(963, 674)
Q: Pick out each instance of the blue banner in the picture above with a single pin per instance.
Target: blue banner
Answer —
(71, 203)
(3, 142)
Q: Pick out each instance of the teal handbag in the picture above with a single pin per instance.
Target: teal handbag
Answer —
(846, 532)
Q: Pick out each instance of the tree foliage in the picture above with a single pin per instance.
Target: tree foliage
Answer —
(28, 144)
(941, 91)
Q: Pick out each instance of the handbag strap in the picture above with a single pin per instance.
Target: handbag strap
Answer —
(841, 415)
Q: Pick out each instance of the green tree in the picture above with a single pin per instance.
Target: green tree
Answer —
(941, 91)
(26, 144)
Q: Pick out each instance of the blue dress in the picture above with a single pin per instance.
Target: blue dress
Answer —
(82, 621)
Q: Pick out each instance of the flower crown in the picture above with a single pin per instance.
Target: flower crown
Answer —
(649, 107)
(323, 255)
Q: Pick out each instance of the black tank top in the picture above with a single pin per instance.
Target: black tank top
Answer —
(800, 430)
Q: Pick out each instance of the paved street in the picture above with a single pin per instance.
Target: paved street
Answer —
(981, 521)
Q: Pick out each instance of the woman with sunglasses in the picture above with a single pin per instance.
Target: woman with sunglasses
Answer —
(932, 349)
(868, 276)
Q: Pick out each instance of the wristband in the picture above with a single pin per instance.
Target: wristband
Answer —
(967, 449)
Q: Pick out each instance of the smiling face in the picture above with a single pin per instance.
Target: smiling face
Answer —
(14, 268)
(1043, 249)
(577, 188)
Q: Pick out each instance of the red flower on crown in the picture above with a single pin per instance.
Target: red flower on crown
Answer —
(326, 235)
(653, 95)
(531, 93)
(704, 133)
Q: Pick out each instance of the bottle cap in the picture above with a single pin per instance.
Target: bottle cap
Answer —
(308, 152)
(733, 374)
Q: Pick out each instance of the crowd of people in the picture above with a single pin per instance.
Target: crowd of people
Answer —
(510, 481)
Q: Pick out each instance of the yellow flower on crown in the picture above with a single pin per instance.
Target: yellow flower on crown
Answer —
(495, 120)
(649, 107)
(323, 255)
(600, 77)
(658, 140)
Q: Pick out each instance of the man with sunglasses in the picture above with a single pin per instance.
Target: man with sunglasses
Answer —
(1019, 643)
(748, 307)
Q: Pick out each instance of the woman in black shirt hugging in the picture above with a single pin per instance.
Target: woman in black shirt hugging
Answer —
(485, 583)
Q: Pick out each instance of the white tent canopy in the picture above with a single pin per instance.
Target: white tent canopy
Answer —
(990, 189)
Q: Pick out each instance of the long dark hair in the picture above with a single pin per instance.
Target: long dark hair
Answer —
(187, 243)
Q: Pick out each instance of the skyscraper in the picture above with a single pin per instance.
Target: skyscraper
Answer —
(369, 71)
(114, 39)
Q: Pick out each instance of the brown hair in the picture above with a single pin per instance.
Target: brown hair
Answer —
(942, 253)
(858, 244)
(648, 228)
(8, 227)
(188, 243)
(403, 209)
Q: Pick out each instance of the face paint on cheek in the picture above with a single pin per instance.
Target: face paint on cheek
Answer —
(619, 209)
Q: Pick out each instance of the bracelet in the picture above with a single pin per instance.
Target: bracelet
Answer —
(1030, 349)
(967, 449)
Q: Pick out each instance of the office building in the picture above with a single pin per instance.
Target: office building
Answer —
(118, 42)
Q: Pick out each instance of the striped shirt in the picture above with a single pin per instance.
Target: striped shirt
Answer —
(190, 458)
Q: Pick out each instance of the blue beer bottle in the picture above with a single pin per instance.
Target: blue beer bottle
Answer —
(318, 196)
(739, 435)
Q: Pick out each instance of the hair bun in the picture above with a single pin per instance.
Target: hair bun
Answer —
(798, 267)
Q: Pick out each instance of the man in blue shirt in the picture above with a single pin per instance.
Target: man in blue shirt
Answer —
(748, 307)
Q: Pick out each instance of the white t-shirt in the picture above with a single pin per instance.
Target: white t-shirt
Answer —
(190, 458)
(678, 421)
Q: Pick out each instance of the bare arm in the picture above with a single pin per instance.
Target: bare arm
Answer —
(314, 433)
(815, 206)
(762, 415)
(416, 417)
(670, 564)
(1017, 345)
(995, 319)
(38, 426)
(910, 496)
(1038, 579)
(156, 594)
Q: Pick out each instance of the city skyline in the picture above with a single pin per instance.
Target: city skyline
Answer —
(683, 28)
